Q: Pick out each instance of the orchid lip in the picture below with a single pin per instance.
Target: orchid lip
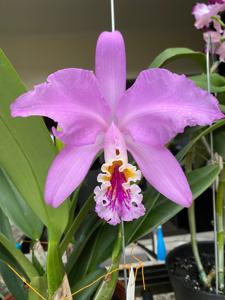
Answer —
(118, 198)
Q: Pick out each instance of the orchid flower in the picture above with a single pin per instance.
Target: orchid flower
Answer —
(95, 112)
(203, 13)
(217, 39)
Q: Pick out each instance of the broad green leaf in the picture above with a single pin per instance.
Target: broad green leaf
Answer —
(217, 82)
(172, 54)
(26, 151)
(17, 209)
(164, 209)
(14, 257)
(55, 269)
(13, 283)
(40, 286)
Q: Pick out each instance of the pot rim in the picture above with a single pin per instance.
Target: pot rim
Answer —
(169, 256)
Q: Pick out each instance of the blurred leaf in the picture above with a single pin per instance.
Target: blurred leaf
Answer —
(217, 82)
(219, 141)
(172, 54)
(13, 283)
(26, 151)
(17, 209)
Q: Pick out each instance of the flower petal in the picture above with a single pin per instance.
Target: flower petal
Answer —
(161, 104)
(67, 171)
(111, 66)
(162, 171)
(203, 13)
(68, 96)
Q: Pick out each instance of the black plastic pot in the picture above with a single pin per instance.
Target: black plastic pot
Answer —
(182, 291)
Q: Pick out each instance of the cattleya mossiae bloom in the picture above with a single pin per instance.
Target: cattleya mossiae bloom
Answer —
(95, 112)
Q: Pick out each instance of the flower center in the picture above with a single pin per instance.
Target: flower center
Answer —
(118, 197)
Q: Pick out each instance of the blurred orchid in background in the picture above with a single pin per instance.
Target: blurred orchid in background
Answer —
(207, 18)
(95, 112)
(203, 13)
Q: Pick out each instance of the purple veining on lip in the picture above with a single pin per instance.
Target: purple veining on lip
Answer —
(117, 194)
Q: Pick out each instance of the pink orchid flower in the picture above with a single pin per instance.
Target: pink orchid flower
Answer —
(217, 39)
(95, 112)
(203, 13)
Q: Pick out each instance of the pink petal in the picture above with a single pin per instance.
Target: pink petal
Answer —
(67, 171)
(221, 51)
(68, 96)
(161, 104)
(162, 171)
(203, 13)
(111, 66)
(215, 36)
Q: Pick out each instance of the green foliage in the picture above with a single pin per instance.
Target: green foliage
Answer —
(172, 54)
(17, 209)
(14, 284)
(26, 151)
(217, 82)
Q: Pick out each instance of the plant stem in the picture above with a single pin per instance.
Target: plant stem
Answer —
(192, 227)
(220, 228)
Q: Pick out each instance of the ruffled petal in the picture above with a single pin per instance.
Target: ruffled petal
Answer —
(162, 171)
(67, 171)
(72, 98)
(111, 66)
(161, 104)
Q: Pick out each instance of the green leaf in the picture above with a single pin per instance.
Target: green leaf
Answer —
(89, 226)
(13, 283)
(172, 54)
(107, 287)
(217, 82)
(17, 209)
(55, 269)
(89, 278)
(164, 209)
(180, 156)
(40, 285)
(26, 151)
(14, 257)
(219, 141)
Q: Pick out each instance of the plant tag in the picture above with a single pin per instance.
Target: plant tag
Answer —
(131, 286)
